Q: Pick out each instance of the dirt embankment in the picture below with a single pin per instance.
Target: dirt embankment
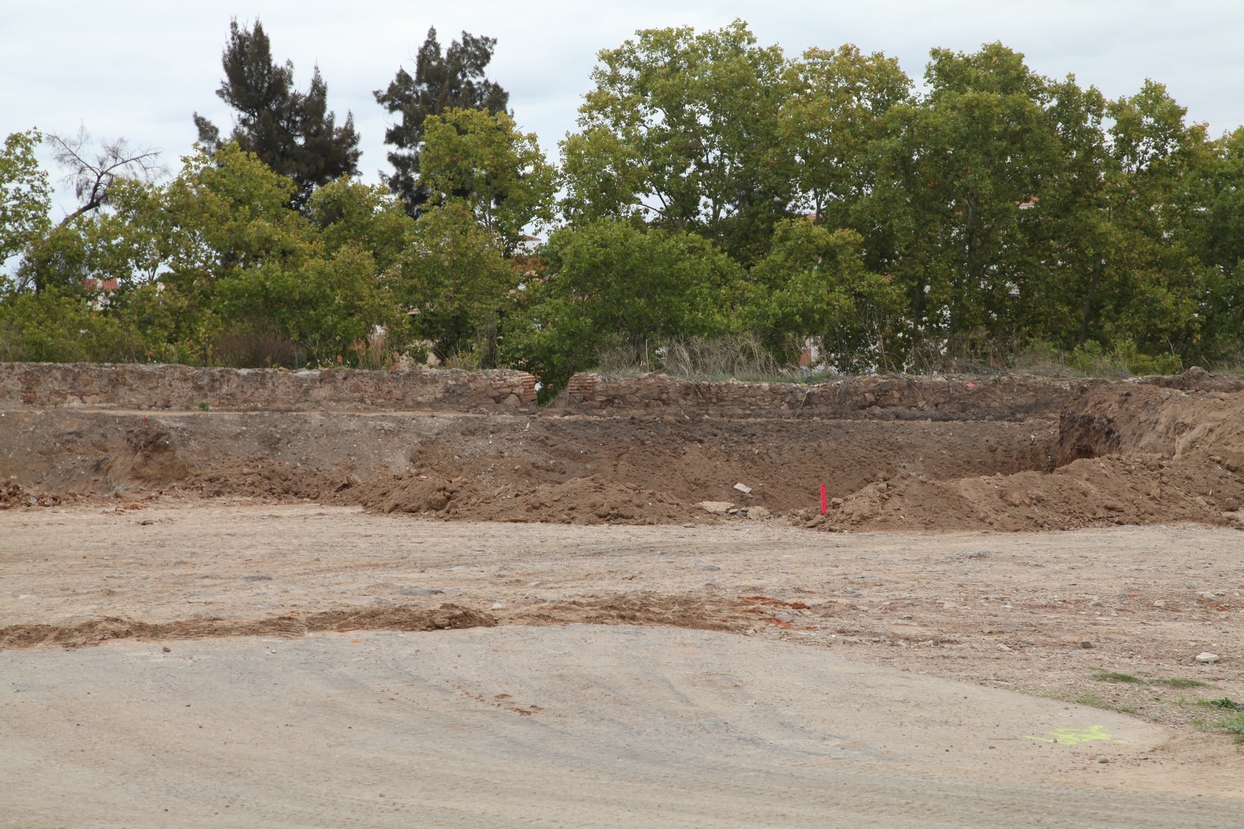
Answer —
(538, 468)
(1158, 451)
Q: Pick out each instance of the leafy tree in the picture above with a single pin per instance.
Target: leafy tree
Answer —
(836, 109)
(812, 285)
(683, 129)
(455, 283)
(453, 79)
(961, 178)
(290, 131)
(614, 281)
(25, 196)
(1218, 240)
(96, 241)
(484, 161)
(1155, 281)
(348, 212)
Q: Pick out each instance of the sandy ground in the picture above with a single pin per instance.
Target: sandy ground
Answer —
(914, 622)
(558, 726)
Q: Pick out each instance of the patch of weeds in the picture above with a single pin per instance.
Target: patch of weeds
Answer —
(1180, 683)
(1234, 726)
(1111, 676)
(1095, 701)
(1226, 703)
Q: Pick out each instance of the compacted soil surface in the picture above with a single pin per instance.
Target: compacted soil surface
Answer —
(395, 619)
(215, 658)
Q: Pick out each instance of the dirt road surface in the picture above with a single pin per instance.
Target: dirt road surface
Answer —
(742, 674)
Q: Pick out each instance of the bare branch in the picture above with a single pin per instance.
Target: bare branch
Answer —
(93, 171)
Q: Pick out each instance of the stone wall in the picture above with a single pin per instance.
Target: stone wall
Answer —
(881, 398)
(172, 387)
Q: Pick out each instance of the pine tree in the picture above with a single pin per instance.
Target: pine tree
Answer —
(292, 132)
(453, 79)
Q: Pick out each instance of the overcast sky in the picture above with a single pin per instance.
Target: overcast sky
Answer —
(141, 69)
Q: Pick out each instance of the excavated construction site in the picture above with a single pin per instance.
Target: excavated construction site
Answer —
(1075, 541)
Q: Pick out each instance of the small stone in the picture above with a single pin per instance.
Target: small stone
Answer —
(784, 618)
(1103, 759)
(497, 606)
(716, 507)
(688, 526)
(1086, 645)
(743, 488)
(1160, 603)
(1207, 658)
(420, 591)
(167, 650)
(757, 512)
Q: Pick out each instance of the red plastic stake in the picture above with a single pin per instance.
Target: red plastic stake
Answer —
(824, 501)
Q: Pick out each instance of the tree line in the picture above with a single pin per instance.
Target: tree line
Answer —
(714, 188)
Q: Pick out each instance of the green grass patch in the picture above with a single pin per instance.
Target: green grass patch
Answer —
(1180, 683)
(1111, 676)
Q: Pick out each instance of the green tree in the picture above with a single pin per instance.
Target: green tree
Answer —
(456, 284)
(1155, 282)
(453, 79)
(25, 195)
(292, 132)
(1218, 240)
(497, 171)
(348, 212)
(961, 176)
(835, 111)
(683, 129)
(813, 286)
(613, 281)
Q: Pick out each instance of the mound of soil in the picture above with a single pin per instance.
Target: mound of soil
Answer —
(445, 617)
(687, 612)
(261, 478)
(591, 500)
(1145, 489)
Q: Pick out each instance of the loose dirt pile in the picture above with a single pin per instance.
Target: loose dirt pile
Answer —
(1145, 489)
(589, 500)
(446, 617)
